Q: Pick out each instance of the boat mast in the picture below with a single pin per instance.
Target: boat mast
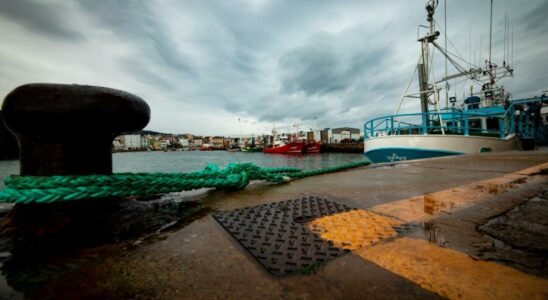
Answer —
(490, 32)
(489, 63)
(423, 66)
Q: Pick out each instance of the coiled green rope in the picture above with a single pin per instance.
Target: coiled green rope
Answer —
(35, 189)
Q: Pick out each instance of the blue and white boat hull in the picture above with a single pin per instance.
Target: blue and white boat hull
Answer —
(410, 147)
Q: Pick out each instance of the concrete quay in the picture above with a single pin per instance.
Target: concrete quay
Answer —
(477, 229)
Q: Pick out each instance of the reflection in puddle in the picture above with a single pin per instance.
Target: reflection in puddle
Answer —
(433, 234)
(423, 208)
(433, 205)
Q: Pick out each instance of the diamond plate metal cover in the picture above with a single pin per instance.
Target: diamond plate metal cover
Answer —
(277, 236)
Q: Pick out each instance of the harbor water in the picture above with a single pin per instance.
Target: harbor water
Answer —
(188, 161)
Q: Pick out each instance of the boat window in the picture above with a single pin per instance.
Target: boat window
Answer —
(474, 123)
(493, 123)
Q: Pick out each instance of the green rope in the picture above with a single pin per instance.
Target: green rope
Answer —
(35, 189)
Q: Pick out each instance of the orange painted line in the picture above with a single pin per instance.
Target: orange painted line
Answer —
(354, 229)
(424, 208)
(453, 274)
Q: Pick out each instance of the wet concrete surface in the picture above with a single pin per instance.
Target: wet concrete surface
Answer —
(484, 231)
(202, 261)
(525, 226)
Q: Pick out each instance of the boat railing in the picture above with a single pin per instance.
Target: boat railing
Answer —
(517, 118)
(449, 122)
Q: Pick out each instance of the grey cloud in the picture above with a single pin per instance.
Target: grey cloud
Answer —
(328, 63)
(341, 62)
(45, 19)
(535, 20)
(279, 108)
(143, 73)
(137, 22)
(311, 70)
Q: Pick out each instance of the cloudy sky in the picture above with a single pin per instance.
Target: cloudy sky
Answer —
(203, 65)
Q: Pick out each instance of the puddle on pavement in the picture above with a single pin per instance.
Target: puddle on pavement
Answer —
(519, 236)
(433, 234)
(425, 207)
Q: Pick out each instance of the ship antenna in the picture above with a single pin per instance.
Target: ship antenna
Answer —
(505, 42)
(512, 52)
(479, 52)
(445, 40)
(490, 31)
(470, 46)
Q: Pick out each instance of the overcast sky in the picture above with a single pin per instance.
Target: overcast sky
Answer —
(204, 65)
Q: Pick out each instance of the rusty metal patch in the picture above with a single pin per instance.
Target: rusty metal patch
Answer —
(277, 236)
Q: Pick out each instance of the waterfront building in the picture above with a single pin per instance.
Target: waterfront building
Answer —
(314, 135)
(145, 143)
(131, 141)
(218, 142)
(342, 134)
(185, 143)
(117, 144)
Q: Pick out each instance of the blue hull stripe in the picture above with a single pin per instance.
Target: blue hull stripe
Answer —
(403, 154)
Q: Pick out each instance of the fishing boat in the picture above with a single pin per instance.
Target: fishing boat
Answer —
(312, 146)
(286, 148)
(292, 145)
(486, 120)
(251, 147)
(207, 147)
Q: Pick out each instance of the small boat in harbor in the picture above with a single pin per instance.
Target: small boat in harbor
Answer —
(206, 147)
(484, 121)
(293, 145)
(281, 147)
(251, 149)
(312, 146)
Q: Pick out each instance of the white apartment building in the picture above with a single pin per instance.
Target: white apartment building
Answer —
(135, 142)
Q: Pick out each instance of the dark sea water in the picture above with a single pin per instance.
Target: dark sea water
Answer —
(187, 161)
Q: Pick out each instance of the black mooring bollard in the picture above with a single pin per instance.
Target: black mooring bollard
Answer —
(67, 129)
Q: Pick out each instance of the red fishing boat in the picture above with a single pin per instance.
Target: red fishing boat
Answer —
(312, 147)
(286, 148)
(206, 147)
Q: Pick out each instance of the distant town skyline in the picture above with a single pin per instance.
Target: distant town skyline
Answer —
(241, 67)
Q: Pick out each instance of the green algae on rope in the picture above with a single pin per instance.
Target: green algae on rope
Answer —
(48, 189)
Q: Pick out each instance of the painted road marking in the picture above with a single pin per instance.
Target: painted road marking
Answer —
(426, 207)
(354, 229)
(453, 274)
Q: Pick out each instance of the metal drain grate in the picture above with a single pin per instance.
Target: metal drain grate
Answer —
(276, 234)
